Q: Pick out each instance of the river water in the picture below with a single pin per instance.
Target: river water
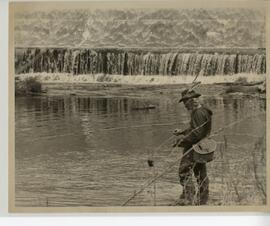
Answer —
(93, 150)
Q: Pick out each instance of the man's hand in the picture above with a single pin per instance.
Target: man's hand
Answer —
(177, 132)
(177, 141)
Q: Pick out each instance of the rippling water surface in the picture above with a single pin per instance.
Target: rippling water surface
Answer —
(93, 151)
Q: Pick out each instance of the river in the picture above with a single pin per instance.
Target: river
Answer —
(92, 150)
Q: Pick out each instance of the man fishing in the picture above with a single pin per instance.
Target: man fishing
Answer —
(200, 127)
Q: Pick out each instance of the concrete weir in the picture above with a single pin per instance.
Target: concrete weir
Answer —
(138, 62)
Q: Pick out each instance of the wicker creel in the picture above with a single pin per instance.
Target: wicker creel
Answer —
(204, 150)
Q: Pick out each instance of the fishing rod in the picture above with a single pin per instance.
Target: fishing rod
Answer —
(151, 161)
(151, 164)
(157, 176)
(194, 84)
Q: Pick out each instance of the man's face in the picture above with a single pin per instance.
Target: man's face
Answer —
(189, 104)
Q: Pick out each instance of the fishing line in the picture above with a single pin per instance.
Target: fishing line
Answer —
(157, 176)
(216, 113)
(169, 167)
(106, 129)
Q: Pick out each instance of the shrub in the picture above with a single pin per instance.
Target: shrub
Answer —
(33, 85)
(27, 87)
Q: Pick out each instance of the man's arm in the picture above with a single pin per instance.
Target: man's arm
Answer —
(198, 128)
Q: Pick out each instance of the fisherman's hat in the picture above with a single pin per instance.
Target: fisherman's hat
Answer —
(189, 94)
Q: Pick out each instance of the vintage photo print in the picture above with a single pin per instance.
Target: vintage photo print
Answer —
(138, 106)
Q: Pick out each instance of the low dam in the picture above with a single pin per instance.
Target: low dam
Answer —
(139, 62)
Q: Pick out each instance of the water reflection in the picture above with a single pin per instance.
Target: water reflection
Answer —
(92, 151)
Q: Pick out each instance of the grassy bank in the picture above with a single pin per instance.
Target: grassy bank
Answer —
(140, 79)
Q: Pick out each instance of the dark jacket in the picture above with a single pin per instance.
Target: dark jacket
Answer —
(200, 126)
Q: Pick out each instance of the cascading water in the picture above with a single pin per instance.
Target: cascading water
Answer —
(88, 61)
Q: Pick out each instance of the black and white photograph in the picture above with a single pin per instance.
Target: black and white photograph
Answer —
(138, 106)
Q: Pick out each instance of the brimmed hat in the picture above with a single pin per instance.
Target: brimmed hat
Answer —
(189, 94)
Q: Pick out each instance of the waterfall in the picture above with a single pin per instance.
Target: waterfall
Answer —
(90, 61)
